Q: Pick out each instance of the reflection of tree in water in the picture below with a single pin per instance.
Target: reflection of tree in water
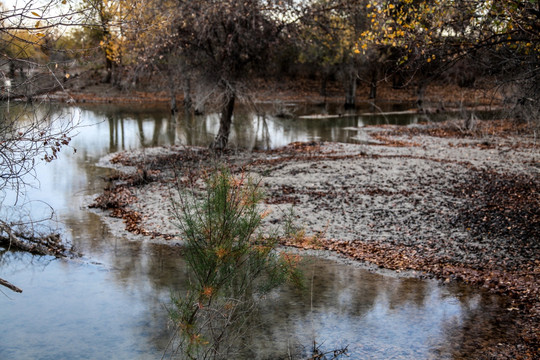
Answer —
(408, 292)
(266, 140)
(378, 317)
(242, 131)
(484, 323)
(292, 319)
(153, 272)
(163, 129)
(115, 133)
(90, 237)
(12, 261)
(171, 129)
(145, 271)
(194, 130)
(249, 130)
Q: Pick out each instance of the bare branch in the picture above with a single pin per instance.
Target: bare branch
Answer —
(10, 285)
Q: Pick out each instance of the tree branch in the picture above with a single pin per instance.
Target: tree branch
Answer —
(10, 285)
(46, 245)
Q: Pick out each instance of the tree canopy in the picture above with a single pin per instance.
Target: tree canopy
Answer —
(226, 44)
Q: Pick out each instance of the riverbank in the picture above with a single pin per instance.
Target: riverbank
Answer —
(429, 200)
(86, 87)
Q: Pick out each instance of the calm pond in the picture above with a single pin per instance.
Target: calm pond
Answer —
(111, 304)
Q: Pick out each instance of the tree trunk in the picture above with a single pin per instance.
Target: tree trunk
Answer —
(420, 91)
(12, 70)
(109, 69)
(373, 85)
(172, 92)
(188, 102)
(106, 39)
(350, 91)
(324, 86)
(397, 81)
(174, 106)
(222, 138)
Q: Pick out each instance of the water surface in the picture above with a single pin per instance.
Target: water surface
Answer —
(111, 304)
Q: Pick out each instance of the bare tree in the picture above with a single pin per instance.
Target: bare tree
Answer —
(226, 42)
(28, 132)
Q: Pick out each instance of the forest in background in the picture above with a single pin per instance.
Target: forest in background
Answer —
(212, 52)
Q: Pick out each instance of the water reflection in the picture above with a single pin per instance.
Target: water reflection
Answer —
(74, 311)
(251, 130)
(63, 184)
(71, 310)
(112, 303)
(378, 317)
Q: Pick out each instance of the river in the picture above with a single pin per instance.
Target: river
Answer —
(112, 302)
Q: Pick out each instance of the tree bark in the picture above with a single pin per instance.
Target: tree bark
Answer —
(106, 33)
(397, 80)
(222, 138)
(324, 83)
(108, 69)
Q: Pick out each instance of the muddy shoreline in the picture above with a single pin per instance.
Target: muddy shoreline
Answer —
(425, 200)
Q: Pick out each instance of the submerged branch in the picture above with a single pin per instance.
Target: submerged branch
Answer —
(10, 285)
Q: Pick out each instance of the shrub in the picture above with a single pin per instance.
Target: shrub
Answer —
(231, 264)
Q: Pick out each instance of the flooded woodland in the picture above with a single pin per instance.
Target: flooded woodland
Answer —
(113, 298)
(270, 179)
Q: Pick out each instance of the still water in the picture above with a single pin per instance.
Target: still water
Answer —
(111, 303)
